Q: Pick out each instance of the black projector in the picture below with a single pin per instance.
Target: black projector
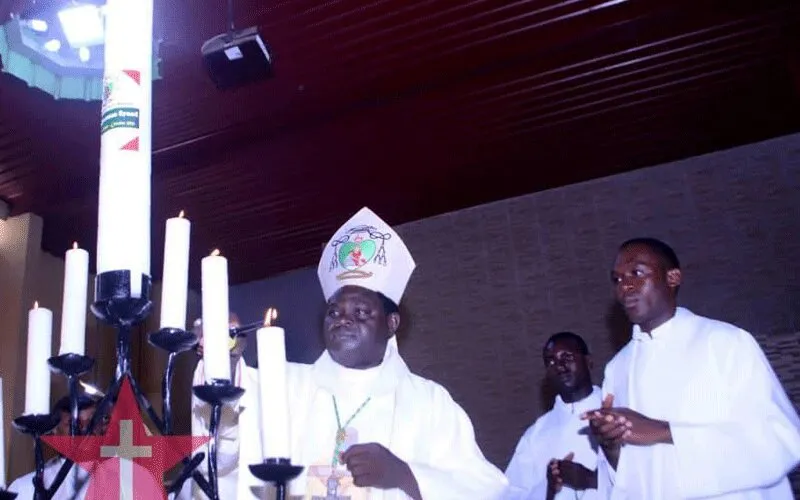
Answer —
(237, 58)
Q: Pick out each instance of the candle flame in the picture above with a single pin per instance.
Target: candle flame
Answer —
(215, 253)
(180, 215)
(270, 316)
(36, 304)
(74, 245)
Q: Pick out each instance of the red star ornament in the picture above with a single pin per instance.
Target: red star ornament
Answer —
(126, 462)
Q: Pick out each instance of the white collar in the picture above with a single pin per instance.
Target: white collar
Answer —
(663, 329)
(588, 403)
(333, 377)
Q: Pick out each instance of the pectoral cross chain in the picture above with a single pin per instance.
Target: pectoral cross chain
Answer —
(341, 433)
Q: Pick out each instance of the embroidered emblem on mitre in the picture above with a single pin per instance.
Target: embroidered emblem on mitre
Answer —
(366, 252)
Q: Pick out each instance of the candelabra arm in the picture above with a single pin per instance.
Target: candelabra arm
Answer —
(40, 491)
(189, 466)
(166, 394)
(216, 415)
(37, 426)
(71, 366)
(60, 477)
(202, 483)
(144, 403)
(74, 422)
(123, 350)
(215, 393)
(174, 341)
(103, 405)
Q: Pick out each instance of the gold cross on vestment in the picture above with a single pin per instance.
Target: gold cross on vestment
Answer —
(332, 490)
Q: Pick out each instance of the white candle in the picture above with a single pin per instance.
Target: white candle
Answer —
(175, 278)
(271, 342)
(73, 305)
(2, 441)
(123, 232)
(214, 289)
(37, 376)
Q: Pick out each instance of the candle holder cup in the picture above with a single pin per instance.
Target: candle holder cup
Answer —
(7, 495)
(35, 424)
(114, 303)
(70, 364)
(173, 340)
(278, 471)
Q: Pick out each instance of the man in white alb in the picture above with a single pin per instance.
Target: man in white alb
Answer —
(362, 424)
(692, 407)
(233, 415)
(556, 458)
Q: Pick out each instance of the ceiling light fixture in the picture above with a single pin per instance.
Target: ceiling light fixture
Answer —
(64, 40)
(38, 25)
(82, 26)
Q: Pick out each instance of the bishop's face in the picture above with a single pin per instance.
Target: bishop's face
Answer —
(356, 328)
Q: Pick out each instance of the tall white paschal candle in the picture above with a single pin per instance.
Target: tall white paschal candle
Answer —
(216, 355)
(175, 281)
(2, 441)
(123, 232)
(73, 305)
(37, 374)
(271, 342)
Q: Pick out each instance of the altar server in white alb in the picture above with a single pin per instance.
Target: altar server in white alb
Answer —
(234, 417)
(556, 458)
(692, 408)
(362, 424)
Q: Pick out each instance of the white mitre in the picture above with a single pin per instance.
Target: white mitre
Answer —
(366, 252)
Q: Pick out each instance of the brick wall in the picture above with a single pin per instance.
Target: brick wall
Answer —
(494, 281)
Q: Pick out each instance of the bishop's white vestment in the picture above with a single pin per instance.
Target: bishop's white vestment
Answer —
(415, 418)
(555, 434)
(736, 435)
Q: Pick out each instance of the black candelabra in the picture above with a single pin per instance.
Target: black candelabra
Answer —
(115, 306)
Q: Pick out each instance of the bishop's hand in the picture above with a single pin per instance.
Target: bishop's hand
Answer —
(372, 465)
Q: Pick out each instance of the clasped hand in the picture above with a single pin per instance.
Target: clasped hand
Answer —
(566, 472)
(614, 427)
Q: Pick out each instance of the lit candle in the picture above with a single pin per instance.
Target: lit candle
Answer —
(73, 306)
(175, 281)
(214, 289)
(123, 230)
(37, 377)
(2, 441)
(271, 343)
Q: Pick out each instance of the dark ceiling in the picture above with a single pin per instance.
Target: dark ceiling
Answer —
(411, 107)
